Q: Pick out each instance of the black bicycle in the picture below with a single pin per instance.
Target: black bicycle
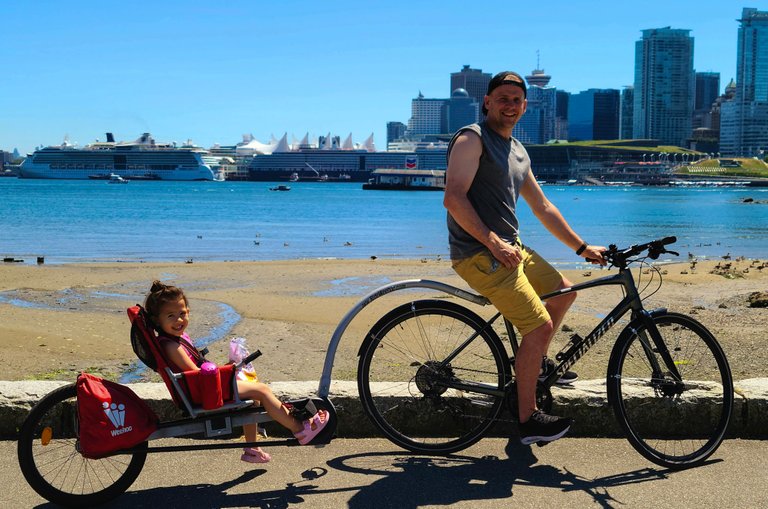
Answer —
(433, 376)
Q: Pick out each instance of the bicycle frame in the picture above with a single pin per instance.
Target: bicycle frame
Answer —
(631, 302)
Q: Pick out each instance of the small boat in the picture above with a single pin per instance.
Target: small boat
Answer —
(281, 187)
(294, 177)
(116, 179)
(392, 179)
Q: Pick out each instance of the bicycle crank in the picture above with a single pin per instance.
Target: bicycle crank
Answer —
(543, 399)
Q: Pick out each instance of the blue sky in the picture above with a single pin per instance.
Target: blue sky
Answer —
(212, 71)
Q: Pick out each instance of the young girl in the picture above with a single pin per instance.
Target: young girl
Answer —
(168, 308)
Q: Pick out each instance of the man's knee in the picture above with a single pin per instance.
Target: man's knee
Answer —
(539, 335)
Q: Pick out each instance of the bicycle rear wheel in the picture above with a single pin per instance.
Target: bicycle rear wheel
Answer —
(407, 380)
(675, 424)
(56, 470)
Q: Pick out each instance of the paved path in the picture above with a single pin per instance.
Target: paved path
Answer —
(372, 473)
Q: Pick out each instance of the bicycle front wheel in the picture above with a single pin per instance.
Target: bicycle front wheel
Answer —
(56, 470)
(411, 364)
(673, 423)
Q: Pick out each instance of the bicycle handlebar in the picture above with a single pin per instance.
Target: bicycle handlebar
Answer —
(620, 257)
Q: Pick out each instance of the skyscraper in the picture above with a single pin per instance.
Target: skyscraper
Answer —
(664, 85)
(539, 122)
(542, 121)
(395, 131)
(460, 110)
(744, 120)
(627, 105)
(426, 117)
(474, 81)
(707, 90)
(594, 115)
(561, 114)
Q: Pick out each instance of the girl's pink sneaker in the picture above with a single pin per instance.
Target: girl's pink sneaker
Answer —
(255, 455)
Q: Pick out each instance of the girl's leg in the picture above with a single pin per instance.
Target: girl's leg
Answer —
(254, 454)
(273, 406)
(251, 431)
(303, 431)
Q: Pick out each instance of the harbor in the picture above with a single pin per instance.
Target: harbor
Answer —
(409, 167)
(69, 221)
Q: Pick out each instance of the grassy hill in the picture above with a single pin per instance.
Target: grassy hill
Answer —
(731, 167)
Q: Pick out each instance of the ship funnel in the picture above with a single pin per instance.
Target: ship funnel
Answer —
(110, 138)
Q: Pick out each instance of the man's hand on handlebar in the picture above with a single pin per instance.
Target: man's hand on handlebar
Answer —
(621, 257)
(594, 254)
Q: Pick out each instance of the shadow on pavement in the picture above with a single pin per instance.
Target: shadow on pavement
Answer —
(397, 479)
(192, 496)
(412, 481)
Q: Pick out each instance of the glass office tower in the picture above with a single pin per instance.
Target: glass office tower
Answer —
(744, 119)
(664, 86)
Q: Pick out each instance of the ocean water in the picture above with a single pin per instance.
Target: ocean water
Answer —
(82, 221)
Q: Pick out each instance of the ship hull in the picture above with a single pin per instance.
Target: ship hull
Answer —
(44, 172)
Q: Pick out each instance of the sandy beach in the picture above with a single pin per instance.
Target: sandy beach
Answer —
(56, 320)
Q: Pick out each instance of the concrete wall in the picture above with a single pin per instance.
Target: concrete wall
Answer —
(585, 401)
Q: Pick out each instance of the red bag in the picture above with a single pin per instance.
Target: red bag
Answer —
(110, 417)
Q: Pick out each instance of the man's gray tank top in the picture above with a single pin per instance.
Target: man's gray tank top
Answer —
(504, 165)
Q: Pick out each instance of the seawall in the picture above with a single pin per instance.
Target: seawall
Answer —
(585, 401)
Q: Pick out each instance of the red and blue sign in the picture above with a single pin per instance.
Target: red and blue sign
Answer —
(411, 162)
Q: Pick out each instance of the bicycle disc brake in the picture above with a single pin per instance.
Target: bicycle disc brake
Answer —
(668, 387)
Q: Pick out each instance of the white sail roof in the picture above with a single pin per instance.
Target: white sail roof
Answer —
(251, 146)
(369, 145)
(282, 145)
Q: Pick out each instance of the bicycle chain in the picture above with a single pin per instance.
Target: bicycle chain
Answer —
(496, 419)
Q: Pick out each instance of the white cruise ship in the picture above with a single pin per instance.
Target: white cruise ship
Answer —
(142, 159)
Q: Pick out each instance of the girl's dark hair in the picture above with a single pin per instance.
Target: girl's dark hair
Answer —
(160, 294)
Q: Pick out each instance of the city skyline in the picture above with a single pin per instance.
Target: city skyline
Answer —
(211, 74)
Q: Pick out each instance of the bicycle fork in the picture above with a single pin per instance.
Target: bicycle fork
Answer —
(653, 346)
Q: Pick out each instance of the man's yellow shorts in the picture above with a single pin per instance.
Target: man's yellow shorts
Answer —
(515, 293)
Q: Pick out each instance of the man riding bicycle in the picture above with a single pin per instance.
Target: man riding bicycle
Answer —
(487, 170)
